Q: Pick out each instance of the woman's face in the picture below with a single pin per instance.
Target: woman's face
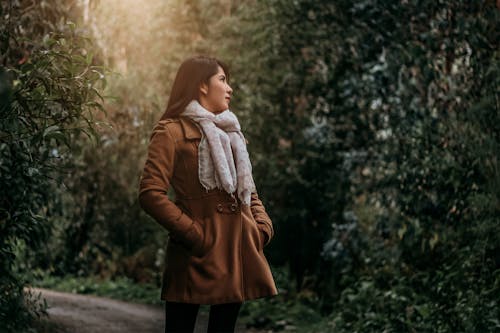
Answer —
(215, 96)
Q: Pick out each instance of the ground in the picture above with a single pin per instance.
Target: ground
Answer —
(73, 313)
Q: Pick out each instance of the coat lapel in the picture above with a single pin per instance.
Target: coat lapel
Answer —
(189, 129)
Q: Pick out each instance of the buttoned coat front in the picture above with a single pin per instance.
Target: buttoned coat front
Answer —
(215, 245)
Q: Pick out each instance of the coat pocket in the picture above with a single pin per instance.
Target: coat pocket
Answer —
(199, 248)
(256, 236)
(193, 240)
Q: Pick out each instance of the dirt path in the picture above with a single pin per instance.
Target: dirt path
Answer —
(72, 313)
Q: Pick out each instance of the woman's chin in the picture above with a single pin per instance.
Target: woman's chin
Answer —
(223, 108)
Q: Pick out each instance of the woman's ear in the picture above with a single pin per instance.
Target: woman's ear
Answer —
(204, 88)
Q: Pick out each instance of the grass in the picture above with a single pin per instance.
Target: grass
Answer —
(121, 288)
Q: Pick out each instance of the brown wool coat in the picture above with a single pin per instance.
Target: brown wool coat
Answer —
(215, 246)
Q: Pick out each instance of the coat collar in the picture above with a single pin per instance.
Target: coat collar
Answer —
(189, 128)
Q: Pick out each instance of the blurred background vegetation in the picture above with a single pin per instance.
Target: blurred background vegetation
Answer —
(373, 128)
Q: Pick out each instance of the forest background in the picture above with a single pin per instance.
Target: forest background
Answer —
(373, 129)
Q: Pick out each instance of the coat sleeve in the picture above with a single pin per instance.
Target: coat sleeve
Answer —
(154, 184)
(259, 213)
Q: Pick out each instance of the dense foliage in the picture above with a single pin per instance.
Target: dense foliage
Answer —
(425, 77)
(420, 91)
(48, 93)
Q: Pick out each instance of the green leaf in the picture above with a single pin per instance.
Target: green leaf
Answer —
(50, 129)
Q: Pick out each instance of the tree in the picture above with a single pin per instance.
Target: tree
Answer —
(48, 85)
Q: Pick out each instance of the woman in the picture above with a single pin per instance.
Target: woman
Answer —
(217, 224)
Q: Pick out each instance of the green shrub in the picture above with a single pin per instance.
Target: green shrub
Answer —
(49, 92)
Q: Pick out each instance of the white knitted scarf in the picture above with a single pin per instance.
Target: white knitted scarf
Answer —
(222, 154)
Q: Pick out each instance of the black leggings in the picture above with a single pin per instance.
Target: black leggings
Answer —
(181, 317)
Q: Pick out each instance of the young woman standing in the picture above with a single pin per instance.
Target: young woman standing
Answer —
(218, 226)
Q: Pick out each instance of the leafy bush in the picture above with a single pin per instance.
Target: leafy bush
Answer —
(48, 88)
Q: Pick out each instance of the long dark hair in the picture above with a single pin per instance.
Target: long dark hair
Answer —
(191, 74)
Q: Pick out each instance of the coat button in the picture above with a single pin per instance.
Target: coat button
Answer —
(233, 207)
(219, 208)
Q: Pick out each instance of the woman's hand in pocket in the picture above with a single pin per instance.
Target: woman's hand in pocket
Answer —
(193, 240)
(263, 238)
